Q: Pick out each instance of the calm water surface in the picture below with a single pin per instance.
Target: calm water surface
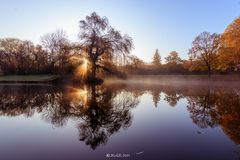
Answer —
(127, 121)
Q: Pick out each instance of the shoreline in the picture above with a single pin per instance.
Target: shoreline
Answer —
(28, 79)
(215, 80)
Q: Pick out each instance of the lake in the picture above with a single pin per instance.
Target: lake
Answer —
(120, 121)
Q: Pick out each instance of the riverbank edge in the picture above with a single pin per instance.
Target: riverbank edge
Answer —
(30, 78)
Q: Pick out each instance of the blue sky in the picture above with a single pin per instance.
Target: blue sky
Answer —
(164, 24)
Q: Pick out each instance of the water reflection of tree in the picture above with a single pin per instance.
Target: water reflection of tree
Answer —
(106, 114)
(217, 107)
(101, 111)
(24, 100)
(98, 111)
(208, 107)
(202, 109)
(229, 110)
(172, 96)
(156, 96)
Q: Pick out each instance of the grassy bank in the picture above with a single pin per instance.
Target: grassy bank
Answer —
(28, 78)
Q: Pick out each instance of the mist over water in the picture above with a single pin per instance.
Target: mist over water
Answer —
(179, 80)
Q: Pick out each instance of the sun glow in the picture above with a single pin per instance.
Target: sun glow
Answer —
(81, 70)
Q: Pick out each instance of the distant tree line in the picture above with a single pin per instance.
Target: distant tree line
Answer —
(210, 53)
(23, 57)
(106, 49)
(98, 44)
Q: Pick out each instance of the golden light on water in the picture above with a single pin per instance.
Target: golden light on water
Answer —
(81, 94)
(78, 95)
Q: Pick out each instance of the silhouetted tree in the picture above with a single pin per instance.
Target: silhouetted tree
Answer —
(56, 46)
(18, 57)
(98, 38)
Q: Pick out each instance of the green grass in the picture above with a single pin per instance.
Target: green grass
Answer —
(28, 78)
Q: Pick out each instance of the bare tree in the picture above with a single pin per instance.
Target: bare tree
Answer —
(99, 39)
(16, 55)
(23, 57)
(55, 44)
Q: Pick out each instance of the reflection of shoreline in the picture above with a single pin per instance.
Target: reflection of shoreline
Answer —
(209, 106)
(217, 108)
(105, 109)
(99, 112)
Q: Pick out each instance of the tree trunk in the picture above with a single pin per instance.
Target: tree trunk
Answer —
(94, 70)
(209, 71)
(93, 95)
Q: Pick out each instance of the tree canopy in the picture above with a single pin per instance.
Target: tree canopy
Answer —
(204, 49)
(99, 39)
(173, 57)
(156, 58)
(230, 46)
